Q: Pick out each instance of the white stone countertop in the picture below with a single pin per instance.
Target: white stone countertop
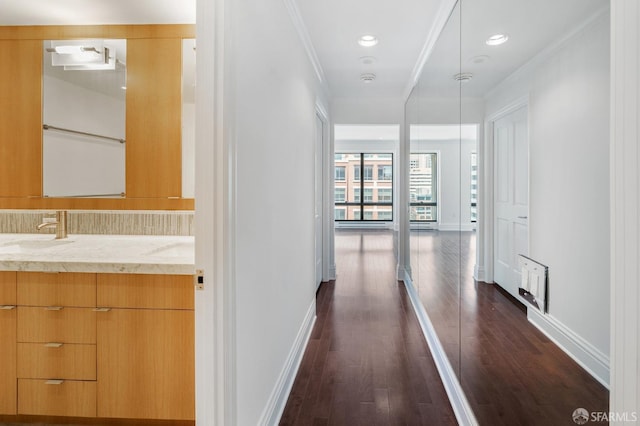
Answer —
(97, 253)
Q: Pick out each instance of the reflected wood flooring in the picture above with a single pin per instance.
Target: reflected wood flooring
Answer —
(367, 362)
(511, 373)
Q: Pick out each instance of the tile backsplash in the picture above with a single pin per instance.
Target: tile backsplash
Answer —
(102, 222)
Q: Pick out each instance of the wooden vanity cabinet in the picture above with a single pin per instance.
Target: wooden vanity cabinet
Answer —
(56, 335)
(8, 318)
(97, 345)
(145, 334)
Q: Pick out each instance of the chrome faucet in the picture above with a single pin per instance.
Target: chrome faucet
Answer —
(60, 223)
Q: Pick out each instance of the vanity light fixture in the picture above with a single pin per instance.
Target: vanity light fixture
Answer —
(82, 55)
(72, 50)
(497, 39)
(368, 40)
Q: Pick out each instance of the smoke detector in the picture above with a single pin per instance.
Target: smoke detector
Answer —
(367, 77)
(463, 77)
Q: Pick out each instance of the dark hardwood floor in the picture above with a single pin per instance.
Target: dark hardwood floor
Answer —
(367, 362)
(511, 373)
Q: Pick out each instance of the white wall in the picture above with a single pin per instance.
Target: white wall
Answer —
(568, 89)
(275, 92)
(80, 165)
(367, 110)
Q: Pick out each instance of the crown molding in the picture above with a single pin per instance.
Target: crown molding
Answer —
(440, 21)
(303, 33)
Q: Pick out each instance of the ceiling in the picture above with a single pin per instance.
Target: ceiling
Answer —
(333, 25)
(402, 27)
(531, 30)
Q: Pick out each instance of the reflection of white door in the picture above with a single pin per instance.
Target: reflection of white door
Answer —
(511, 197)
(318, 198)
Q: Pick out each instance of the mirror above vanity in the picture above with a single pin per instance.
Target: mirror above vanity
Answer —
(98, 117)
(84, 110)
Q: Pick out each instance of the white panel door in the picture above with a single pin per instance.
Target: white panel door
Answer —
(511, 197)
(318, 197)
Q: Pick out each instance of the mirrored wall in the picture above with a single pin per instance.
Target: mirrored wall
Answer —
(435, 190)
(508, 140)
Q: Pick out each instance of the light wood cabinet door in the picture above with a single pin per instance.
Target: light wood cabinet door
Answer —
(56, 360)
(56, 324)
(56, 289)
(8, 318)
(8, 378)
(7, 288)
(21, 118)
(145, 291)
(154, 120)
(146, 364)
(57, 398)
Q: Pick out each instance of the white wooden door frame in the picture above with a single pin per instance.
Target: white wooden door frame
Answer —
(328, 256)
(486, 194)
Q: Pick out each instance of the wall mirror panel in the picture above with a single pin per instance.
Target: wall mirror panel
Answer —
(537, 86)
(435, 197)
(511, 118)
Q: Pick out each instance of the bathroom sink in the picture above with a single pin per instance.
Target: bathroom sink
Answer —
(27, 245)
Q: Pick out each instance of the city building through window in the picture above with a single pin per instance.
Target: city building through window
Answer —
(367, 196)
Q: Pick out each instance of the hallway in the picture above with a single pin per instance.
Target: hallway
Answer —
(367, 362)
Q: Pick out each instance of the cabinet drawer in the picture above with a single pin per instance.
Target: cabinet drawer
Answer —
(7, 361)
(57, 398)
(56, 289)
(7, 288)
(145, 291)
(66, 325)
(56, 360)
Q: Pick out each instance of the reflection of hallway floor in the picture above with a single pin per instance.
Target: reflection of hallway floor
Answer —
(367, 362)
(511, 373)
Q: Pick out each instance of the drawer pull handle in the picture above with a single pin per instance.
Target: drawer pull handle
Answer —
(53, 345)
(7, 307)
(54, 382)
(53, 308)
(101, 309)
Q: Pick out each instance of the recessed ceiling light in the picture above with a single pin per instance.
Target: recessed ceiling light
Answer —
(367, 77)
(367, 60)
(497, 39)
(123, 87)
(368, 40)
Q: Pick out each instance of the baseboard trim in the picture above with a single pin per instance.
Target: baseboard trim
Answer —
(478, 273)
(459, 403)
(456, 227)
(332, 272)
(586, 355)
(276, 404)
